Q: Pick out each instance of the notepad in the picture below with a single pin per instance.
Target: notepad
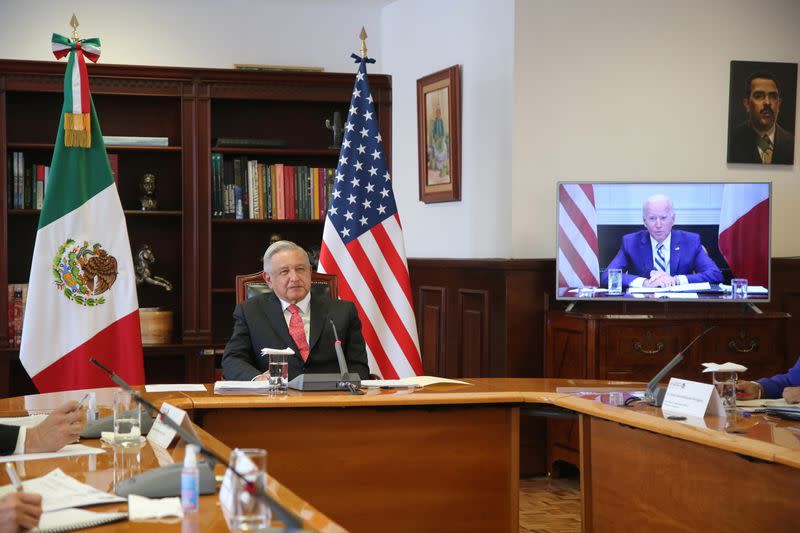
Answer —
(241, 386)
(72, 519)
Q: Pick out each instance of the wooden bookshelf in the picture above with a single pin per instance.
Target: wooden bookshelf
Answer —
(199, 254)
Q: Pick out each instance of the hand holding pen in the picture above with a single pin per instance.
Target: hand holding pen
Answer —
(63, 426)
(19, 510)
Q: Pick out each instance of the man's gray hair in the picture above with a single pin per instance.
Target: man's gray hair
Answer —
(657, 198)
(281, 246)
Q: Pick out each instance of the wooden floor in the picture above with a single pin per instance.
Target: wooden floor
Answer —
(549, 505)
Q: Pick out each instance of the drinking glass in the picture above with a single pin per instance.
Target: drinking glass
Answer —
(127, 419)
(248, 512)
(278, 373)
(614, 281)
(739, 288)
(725, 382)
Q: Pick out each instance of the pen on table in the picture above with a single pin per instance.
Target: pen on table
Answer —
(12, 474)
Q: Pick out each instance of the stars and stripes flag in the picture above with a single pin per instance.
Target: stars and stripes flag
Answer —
(578, 263)
(362, 242)
(82, 292)
(744, 231)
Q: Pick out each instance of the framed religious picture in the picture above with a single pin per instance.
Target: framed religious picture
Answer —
(439, 135)
(761, 113)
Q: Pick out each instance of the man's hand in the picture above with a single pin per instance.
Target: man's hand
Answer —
(659, 279)
(262, 377)
(62, 427)
(791, 394)
(749, 390)
(19, 511)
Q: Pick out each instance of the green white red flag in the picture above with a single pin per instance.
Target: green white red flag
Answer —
(82, 292)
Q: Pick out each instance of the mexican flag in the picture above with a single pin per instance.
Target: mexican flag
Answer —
(82, 291)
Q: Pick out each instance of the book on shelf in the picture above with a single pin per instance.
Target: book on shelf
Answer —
(25, 183)
(113, 161)
(235, 142)
(133, 140)
(17, 297)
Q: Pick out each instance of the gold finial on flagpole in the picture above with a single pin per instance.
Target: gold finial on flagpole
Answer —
(74, 23)
(363, 37)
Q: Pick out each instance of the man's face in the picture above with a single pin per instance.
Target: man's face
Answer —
(290, 278)
(658, 219)
(763, 104)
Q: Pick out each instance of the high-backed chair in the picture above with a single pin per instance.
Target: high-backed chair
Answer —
(249, 285)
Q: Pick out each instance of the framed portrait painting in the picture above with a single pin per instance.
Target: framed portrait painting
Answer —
(439, 135)
(761, 112)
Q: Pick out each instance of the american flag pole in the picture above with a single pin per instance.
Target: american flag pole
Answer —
(362, 240)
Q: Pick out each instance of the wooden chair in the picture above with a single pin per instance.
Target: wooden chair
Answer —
(249, 285)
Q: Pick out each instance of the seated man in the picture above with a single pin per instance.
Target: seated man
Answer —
(292, 316)
(660, 256)
(63, 426)
(787, 384)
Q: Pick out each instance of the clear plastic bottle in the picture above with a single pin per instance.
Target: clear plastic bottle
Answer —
(190, 481)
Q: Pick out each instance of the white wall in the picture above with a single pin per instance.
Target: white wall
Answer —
(637, 90)
(421, 37)
(199, 33)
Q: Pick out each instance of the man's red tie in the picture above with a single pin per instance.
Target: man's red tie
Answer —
(297, 331)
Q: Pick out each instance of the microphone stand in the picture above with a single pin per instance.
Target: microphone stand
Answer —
(256, 489)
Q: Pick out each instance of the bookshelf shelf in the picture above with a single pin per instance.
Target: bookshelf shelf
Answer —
(192, 108)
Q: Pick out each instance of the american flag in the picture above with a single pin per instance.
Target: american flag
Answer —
(362, 242)
(577, 236)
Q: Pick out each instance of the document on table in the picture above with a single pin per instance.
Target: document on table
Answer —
(60, 491)
(759, 406)
(67, 451)
(73, 519)
(176, 387)
(23, 421)
(241, 386)
(411, 382)
(688, 287)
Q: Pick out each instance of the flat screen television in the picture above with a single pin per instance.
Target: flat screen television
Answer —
(678, 241)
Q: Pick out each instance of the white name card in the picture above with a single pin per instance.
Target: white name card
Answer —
(691, 398)
(161, 434)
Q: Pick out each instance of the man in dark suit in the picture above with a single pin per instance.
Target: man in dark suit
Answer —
(660, 256)
(292, 316)
(760, 139)
(60, 428)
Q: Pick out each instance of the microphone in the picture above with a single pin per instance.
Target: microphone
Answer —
(654, 395)
(330, 381)
(157, 477)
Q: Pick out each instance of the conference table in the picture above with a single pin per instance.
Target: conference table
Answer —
(446, 457)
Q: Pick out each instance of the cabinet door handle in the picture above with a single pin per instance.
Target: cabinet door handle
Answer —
(637, 345)
(753, 345)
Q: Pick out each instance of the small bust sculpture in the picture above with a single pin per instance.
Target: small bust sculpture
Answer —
(148, 196)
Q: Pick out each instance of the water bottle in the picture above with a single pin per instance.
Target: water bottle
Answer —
(190, 481)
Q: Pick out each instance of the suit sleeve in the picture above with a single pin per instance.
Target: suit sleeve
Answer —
(704, 267)
(773, 387)
(355, 348)
(237, 360)
(8, 439)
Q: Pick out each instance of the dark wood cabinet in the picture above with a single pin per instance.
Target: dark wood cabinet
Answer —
(200, 254)
(634, 347)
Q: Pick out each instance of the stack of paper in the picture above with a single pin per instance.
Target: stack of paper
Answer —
(241, 386)
(411, 382)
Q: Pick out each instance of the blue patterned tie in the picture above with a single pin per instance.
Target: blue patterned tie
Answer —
(661, 262)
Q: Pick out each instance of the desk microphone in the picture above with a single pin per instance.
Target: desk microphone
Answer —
(342, 381)
(157, 476)
(654, 395)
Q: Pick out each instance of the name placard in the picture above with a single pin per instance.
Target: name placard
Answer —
(161, 434)
(691, 398)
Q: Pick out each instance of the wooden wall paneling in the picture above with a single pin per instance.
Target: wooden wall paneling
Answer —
(431, 320)
(473, 313)
(3, 227)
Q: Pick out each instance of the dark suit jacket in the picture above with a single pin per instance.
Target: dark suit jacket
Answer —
(743, 148)
(260, 323)
(8, 439)
(687, 257)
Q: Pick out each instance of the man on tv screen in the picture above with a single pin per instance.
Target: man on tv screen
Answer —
(659, 256)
